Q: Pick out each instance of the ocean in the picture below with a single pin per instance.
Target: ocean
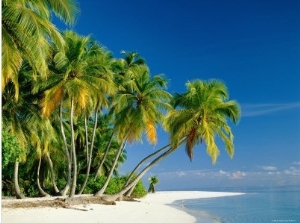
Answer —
(257, 205)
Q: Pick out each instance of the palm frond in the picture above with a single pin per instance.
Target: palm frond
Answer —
(151, 132)
(201, 114)
(51, 100)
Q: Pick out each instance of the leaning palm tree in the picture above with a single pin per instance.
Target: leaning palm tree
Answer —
(125, 69)
(199, 115)
(26, 32)
(153, 180)
(79, 78)
(138, 108)
(202, 115)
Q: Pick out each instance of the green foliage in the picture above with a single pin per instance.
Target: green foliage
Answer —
(200, 114)
(11, 149)
(82, 71)
(7, 187)
(29, 187)
(114, 186)
(153, 180)
(139, 190)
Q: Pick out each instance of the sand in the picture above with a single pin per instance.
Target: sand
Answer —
(154, 208)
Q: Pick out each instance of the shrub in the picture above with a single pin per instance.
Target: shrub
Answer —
(114, 186)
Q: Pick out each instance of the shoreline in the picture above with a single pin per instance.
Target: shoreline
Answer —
(157, 207)
(175, 198)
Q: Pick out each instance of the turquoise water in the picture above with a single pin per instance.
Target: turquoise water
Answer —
(255, 206)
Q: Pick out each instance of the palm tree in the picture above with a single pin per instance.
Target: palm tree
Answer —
(44, 139)
(16, 116)
(22, 118)
(127, 64)
(26, 32)
(125, 67)
(100, 136)
(81, 77)
(153, 180)
(138, 108)
(201, 115)
(139, 105)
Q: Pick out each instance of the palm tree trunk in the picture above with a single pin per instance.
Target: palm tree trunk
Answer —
(102, 190)
(142, 173)
(136, 180)
(151, 188)
(105, 155)
(52, 174)
(67, 187)
(90, 154)
(19, 194)
(41, 190)
(86, 138)
(140, 163)
(74, 183)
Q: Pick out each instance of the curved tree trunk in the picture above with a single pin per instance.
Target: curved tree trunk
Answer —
(41, 190)
(90, 154)
(74, 183)
(19, 194)
(105, 155)
(151, 155)
(141, 174)
(136, 180)
(128, 193)
(140, 164)
(52, 174)
(102, 190)
(67, 187)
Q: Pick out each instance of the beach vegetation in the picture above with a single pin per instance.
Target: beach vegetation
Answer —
(152, 180)
(69, 108)
(198, 115)
(138, 106)
(11, 149)
(27, 32)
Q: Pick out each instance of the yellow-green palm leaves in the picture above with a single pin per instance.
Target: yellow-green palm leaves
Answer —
(27, 32)
(139, 105)
(80, 71)
(201, 114)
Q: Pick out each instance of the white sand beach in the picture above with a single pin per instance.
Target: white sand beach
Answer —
(152, 208)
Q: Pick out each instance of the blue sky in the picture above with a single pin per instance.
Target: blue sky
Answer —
(253, 46)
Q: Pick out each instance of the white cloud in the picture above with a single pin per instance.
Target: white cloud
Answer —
(181, 173)
(222, 172)
(296, 163)
(250, 110)
(269, 168)
(237, 175)
(293, 171)
(274, 173)
(205, 174)
(265, 176)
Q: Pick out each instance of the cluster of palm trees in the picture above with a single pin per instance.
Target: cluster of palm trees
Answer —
(65, 97)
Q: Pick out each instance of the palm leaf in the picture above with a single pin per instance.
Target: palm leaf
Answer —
(151, 132)
(51, 100)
